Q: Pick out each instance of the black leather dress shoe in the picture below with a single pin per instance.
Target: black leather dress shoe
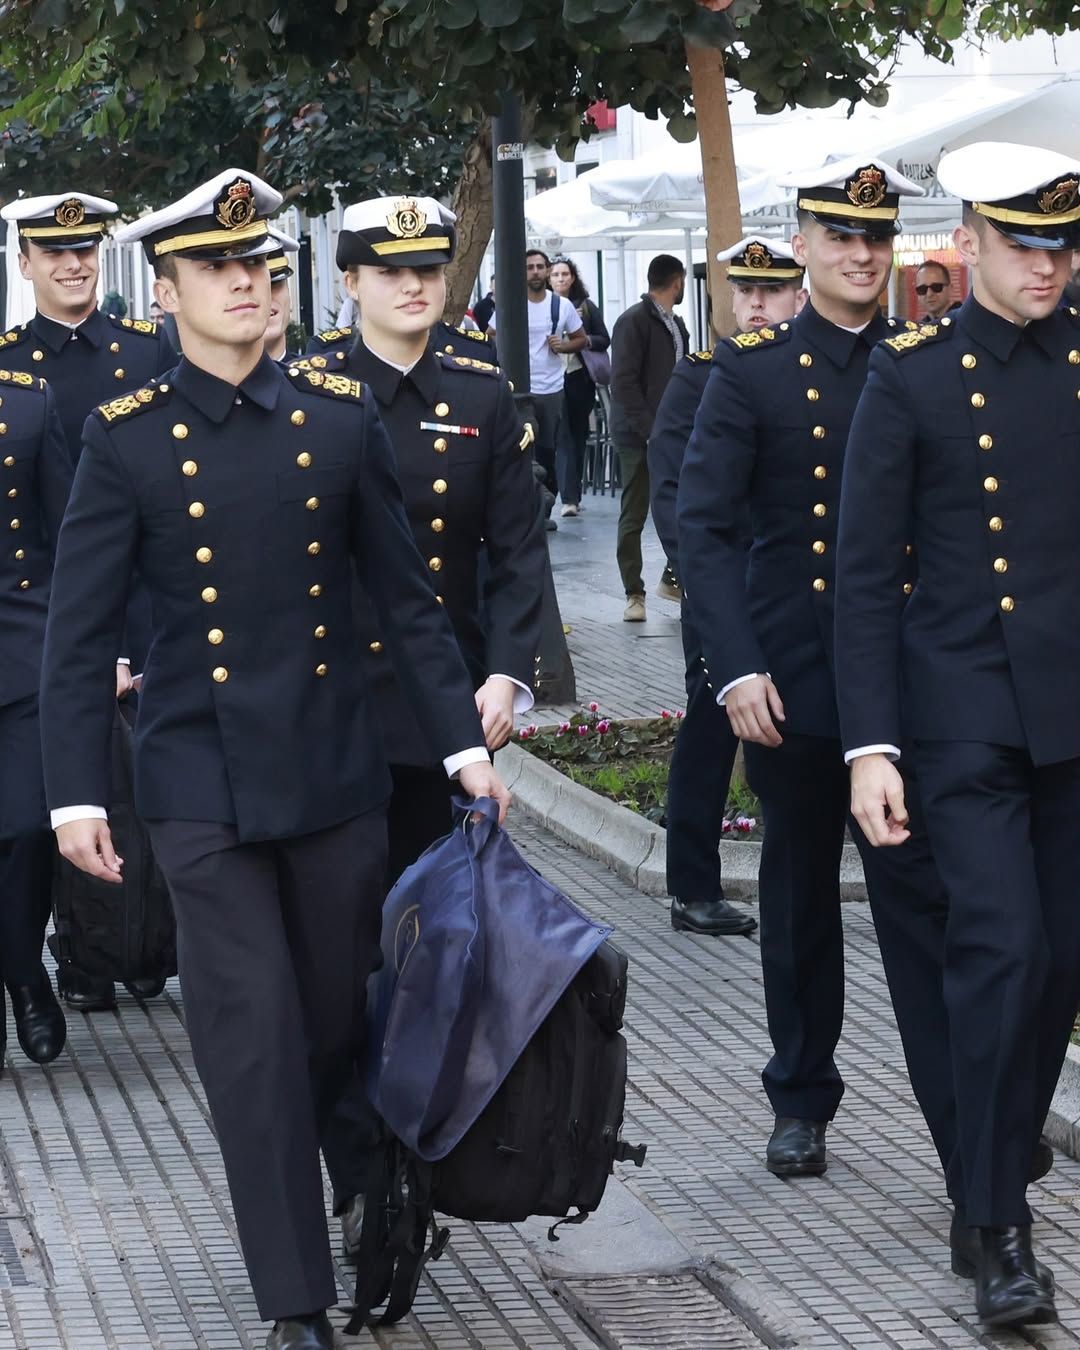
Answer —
(964, 1250)
(1008, 1291)
(352, 1225)
(144, 989)
(313, 1332)
(84, 993)
(797, 1148)
(39, 1019)
(713, 918)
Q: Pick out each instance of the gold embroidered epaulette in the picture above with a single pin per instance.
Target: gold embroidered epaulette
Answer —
(906, 325)
(909, 341)
(19, 377)
(128, 404)
(473, 333)
(332, 335)
(323, 382)
(759, 337)
(467, 363)
(136, 325)
(13, 336)
(700, 358)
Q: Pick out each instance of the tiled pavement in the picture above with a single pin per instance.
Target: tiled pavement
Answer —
(115, 1228)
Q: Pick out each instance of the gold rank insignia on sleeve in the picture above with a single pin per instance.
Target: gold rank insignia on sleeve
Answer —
(18, 377)
(137, 325)
(910, 340)
(128, 404)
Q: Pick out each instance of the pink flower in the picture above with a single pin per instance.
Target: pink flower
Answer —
(725, 827)
(583, 731)
(665, 714)
(525, 733)
(603, 727)
(745, 823)
(679, 714)
(564, 727)
(594, 707)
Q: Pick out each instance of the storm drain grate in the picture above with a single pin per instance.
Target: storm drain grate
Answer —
(651, 1312)
(16, 1249)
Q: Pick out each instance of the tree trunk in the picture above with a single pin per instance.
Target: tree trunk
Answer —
(722, 209)
(472, 205)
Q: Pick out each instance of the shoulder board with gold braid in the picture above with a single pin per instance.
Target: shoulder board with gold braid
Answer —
(135, 325)
(127, 405)
(700, 358)
(473, 333)
(325, 382)
(333, 335)
(14, 336)
(913, 339)
(759, 338)
(905, 325)
(21, 378)
(452, 362)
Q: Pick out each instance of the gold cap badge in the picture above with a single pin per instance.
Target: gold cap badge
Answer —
(1061, 197)
(70, 213)
(866, 188)
(757, 256)
(407, 220)
(236, 206)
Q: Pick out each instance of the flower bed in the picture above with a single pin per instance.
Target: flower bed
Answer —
(627, 762)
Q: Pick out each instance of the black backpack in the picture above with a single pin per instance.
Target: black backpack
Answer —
(124, 932)
(545, 1144)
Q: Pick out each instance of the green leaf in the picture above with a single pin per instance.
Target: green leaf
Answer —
(499, 13)
(518, 38)
(580, 11)
(708, 28)
(454, 14)
(647, 21)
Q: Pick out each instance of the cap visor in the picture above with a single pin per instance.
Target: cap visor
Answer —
(877, 229)
(228, 252)
(1068, 236)
(66, 245)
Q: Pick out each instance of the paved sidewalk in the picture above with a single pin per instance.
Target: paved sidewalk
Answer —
(116, 1231)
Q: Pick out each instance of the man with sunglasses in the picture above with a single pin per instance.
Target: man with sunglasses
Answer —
(933, 286)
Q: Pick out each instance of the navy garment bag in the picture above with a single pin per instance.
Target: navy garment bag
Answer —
(477, 949)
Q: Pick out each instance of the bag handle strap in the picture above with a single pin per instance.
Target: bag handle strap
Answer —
(478, 819)
(556, 309)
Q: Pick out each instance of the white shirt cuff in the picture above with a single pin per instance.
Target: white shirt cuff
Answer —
(453, 764)
(890, 750)
(741, 680)
(523, 695)
(64, 815)
(123, 660)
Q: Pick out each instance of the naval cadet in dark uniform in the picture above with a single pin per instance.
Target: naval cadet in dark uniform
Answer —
(769, 443)
(279, 264)
(246, 497)
(970, 427)
(447, 337)
(87, 357)
(35, 478)
(765, 282)
(467, 481)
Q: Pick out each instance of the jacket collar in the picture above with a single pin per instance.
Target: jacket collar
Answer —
(837, 343)
(1001, 337)
(54, 335)
(385, 381)
(215, 398)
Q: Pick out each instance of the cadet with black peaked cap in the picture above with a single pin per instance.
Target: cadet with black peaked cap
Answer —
(279, 263)
(768, 444)
(766, 283)
(86, 356)
(247, 497)
(35, 477)
(467, 480)
(969, 427)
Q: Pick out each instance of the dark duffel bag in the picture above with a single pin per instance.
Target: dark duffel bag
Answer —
(545, 1144)
(118, 932)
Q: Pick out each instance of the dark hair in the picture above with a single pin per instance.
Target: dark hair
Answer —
(165, 266)
(663, 270)
(578, 292)
(972, 219)
(935, 262)
(537, 253)
(802, 219)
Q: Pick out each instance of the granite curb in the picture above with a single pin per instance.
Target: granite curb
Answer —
(1062, 1126)
(634, 848)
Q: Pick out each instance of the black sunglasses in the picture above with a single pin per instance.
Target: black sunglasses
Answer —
(936, 286)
